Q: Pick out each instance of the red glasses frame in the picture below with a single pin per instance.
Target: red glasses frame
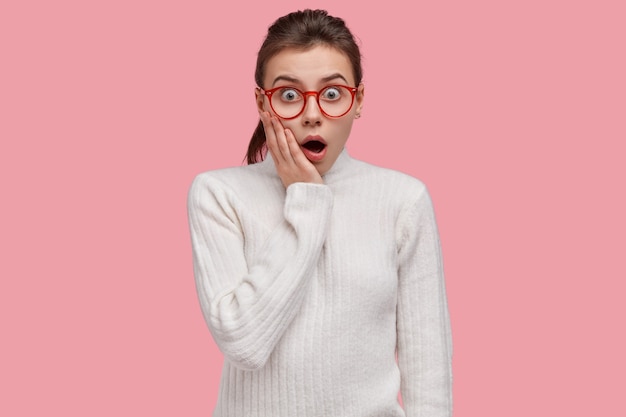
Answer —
(306, 94)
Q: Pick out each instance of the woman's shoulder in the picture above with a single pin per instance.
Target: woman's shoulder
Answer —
(237, 180)
(230, 174)
(388, 178)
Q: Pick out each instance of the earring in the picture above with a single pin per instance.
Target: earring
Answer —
(356, 116)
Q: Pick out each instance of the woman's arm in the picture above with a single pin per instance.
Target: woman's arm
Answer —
(424, 338)
(249, 306)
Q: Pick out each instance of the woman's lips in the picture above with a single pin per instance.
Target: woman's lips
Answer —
(314, 148)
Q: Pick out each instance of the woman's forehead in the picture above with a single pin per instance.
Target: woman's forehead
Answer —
(308, 66)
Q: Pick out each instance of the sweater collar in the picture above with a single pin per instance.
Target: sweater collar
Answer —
(339, 167)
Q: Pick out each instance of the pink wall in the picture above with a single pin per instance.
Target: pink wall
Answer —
(513, 115)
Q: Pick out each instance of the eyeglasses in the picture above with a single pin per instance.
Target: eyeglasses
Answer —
(288, 102)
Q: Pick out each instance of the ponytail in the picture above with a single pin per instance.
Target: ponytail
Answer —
(256, 148)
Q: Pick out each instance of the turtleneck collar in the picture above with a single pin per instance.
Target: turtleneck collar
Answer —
(339, 167)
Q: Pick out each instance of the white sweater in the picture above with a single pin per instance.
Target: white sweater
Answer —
(310, 292)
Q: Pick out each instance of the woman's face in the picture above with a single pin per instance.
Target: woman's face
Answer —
(312, 70)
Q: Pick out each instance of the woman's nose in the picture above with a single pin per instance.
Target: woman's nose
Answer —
(312, 113)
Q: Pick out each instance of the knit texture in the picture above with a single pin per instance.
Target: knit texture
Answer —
(326, 300)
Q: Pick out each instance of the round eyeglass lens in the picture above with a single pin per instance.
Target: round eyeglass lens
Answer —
(334, 100)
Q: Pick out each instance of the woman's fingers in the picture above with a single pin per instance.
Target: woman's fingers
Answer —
(300, 159)
(275, 139)
(291, 164)
(281, 140)
(294, 149)
(304, 170)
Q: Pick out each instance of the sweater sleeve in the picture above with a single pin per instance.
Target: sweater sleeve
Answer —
(424, 337)
(248, 307)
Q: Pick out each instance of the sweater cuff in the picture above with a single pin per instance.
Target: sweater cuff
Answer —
(304, 195)
(308, 208)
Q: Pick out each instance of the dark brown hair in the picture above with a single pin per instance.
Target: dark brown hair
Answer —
(303, 29)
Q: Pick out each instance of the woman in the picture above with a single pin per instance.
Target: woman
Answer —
(314, 270)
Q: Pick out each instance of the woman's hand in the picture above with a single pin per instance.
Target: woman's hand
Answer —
(291, 164)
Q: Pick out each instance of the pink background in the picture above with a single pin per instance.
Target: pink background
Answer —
(512, 112)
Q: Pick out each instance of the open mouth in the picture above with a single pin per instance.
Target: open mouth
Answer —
(314, 146)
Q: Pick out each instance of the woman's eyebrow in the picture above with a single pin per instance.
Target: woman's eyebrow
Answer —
(334, 76)
(285, 78)
(297, 81)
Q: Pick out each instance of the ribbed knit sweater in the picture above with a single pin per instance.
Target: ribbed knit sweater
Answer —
(326, 300)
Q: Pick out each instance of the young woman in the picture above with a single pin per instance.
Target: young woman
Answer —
(319, 276)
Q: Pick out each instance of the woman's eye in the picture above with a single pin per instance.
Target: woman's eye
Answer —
(289, 94)
(331, 93)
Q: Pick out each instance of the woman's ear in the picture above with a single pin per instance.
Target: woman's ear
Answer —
(260, 99)
(358, 99)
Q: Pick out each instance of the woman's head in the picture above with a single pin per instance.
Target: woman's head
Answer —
(303, 30)
(311, 34)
